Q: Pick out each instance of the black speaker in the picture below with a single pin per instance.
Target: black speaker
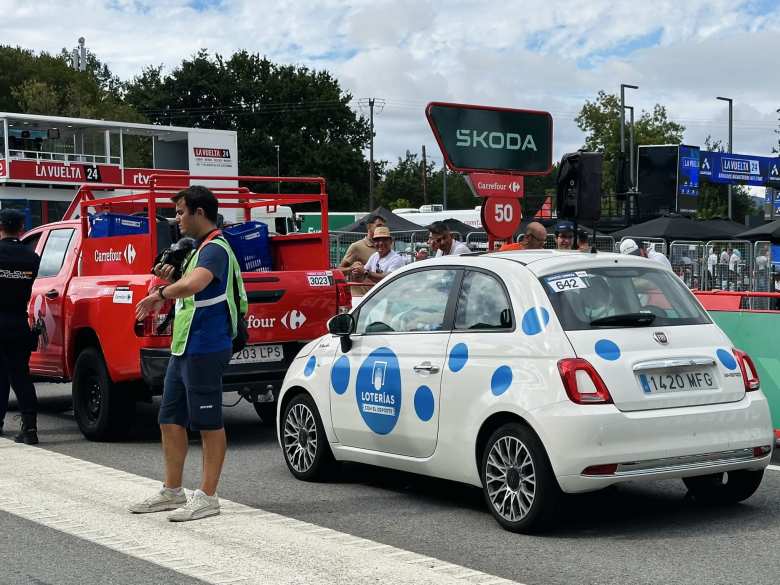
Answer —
(579, 185)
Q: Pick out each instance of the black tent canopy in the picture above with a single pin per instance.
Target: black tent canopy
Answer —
(675, 228)
(394, 222)
(768, 231)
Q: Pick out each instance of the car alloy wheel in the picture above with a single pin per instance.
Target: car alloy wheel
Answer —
(510, 478)
(300, 437)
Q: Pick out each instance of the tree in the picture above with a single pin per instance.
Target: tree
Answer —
(713, 197)
(600, 119)
(305, 112)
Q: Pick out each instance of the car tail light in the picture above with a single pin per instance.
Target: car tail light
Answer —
(150, 326)
(749, 371)
(605, 469)
(582, 382)
(343, 294)
(762, 451)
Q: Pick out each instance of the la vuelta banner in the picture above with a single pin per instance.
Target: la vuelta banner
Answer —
(60, 172)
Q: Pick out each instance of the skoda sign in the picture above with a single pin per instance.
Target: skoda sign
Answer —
(480, 138)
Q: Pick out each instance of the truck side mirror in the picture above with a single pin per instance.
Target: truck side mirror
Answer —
(342, 325)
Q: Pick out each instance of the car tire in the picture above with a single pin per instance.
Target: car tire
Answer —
(724, 488)
(304, 443)
(103, 410)
(517, 480)
(267, 412)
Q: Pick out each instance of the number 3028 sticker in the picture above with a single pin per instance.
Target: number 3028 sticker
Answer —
(562, 282)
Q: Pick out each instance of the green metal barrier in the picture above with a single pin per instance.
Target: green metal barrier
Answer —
(757, 334)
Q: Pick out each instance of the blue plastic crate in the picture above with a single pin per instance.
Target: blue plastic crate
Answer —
(251, 245)
(105, 225)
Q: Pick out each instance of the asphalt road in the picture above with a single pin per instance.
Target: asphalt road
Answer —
(630, 534)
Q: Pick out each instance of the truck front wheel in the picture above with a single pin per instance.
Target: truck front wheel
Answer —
(103, 410)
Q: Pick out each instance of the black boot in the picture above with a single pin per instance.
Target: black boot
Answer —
(28, 434)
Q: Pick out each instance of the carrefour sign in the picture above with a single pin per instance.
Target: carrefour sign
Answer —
(481, 138)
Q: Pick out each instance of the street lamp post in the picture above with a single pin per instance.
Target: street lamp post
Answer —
(623, 87)
(278, 170)
(731, 134)
(631, 170)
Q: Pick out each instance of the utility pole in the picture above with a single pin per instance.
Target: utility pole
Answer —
(631, 170)
(444, 185)
(731, 129)
(380, 104)
(424, 176)
(620, 176)
(78, 56)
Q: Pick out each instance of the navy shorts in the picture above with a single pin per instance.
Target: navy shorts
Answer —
(192, 394)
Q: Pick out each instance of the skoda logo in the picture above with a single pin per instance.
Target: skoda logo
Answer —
(660, 337)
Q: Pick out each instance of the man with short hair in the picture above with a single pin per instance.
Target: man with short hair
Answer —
(383, 261)
(205, 323)
(630, 248)
(362, 250)
(534, 239)
(564, 235)
(18, 269)
(442, 236)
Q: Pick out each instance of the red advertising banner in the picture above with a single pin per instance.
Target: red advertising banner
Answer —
(116, 255)
(61, 172)
(497, 185)
(501, 216)
(141, 177)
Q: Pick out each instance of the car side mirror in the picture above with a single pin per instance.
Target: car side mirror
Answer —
(342, 325)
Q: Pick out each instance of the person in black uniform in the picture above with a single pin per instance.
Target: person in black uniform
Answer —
(18, 269)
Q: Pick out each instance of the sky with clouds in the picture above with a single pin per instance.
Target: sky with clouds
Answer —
(541, 54)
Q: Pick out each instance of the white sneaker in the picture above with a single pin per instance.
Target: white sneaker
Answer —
(199, 506)
(165, 499)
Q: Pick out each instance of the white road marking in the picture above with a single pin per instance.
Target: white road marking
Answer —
(242, 545)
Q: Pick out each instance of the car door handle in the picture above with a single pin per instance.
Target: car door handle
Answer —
(52, 294)
(426, 367)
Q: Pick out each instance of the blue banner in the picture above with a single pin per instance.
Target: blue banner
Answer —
(742, 169)
(687, 178)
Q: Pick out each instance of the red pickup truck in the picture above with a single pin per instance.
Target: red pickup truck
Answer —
(84, 298)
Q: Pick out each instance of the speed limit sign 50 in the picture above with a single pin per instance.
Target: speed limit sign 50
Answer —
(501, 217)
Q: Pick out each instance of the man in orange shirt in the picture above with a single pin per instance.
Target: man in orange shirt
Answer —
(534, 238)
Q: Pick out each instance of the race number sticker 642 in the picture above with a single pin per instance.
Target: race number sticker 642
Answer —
(563, 282)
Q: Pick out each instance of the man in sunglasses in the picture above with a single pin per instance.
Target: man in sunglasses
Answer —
(441, 236)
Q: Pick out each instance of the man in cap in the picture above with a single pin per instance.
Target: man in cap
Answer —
(361, 251)
(630, 248)
(564, 235)
(534, 239)
(381, 262)
(18, 269)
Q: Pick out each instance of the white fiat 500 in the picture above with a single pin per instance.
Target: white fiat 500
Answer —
(530, 374)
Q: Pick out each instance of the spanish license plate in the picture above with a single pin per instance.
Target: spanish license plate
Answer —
(254, 354)
(677, 381)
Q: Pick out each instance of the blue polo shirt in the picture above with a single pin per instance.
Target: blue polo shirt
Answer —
(210, 330)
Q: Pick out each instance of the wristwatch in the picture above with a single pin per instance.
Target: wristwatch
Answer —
(160, 292)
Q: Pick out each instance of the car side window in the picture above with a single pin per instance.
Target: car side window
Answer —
(482, 303)
(412, 303)
(53, 255)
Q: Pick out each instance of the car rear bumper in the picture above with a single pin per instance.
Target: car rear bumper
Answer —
(657, 444)
(255, 378)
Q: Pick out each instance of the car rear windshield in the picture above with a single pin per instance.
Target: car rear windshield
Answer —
(611, 297)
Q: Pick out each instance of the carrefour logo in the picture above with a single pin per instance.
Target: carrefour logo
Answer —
(112, 255)
(494, 140)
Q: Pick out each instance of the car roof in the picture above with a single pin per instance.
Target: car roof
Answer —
(541, 262)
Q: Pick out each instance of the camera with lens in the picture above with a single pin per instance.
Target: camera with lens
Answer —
(176, 256)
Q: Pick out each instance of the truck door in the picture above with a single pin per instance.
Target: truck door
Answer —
(48, 299)
(392, 402)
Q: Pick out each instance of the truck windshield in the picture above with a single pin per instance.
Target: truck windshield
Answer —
(619, 297)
